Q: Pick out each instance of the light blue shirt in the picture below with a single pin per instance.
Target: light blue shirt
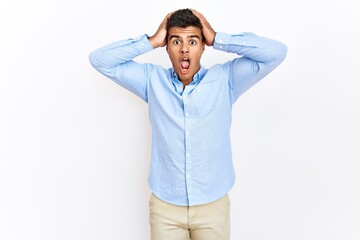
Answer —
(191, 162)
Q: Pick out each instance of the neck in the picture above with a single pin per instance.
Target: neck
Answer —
(186, 82)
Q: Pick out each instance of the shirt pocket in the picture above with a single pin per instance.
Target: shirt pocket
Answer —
(209, 94)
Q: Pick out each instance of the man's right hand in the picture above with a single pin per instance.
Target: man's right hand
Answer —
(159, 38)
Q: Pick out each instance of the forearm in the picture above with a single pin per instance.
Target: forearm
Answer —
(115, 61)
(117, 53)
(256, 48)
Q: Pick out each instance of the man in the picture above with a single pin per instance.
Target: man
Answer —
(191, 169)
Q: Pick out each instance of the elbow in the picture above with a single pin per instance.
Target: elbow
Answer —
(97, 59)
(282, 50)
(93, 59)
(278, 53)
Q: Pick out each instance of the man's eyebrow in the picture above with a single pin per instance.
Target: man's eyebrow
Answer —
(174, 36)
(194, 36)
(190, 36)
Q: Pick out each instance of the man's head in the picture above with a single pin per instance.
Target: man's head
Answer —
(185, 43)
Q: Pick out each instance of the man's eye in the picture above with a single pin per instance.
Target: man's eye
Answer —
(176, 42)
(192, 42)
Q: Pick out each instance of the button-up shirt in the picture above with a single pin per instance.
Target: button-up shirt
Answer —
(191, 160)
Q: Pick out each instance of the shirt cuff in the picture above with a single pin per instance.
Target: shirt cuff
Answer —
(221, 41)
(224, 40)
(142, 44)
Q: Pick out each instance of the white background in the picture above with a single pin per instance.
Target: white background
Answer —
(75, 147)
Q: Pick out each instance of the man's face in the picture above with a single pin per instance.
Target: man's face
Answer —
(185, 47)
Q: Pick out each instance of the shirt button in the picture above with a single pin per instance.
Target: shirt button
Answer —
(187, 114)
(187, 132)
(188, 175)
(188, 154)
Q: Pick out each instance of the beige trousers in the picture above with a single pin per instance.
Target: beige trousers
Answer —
(203, 222)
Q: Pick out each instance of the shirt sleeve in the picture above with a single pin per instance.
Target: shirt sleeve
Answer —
(258, 56)
(115, 61)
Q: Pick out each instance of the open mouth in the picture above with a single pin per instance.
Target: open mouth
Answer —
(184, 65)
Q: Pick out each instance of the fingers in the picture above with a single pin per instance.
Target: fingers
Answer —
(159, 38)
(208, 31)
(199, 15)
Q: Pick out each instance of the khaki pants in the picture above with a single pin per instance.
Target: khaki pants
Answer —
(203, 222)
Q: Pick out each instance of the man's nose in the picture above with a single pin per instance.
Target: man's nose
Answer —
(184, 48)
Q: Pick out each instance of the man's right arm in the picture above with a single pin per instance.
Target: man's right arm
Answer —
(108, 57)
(115, 62)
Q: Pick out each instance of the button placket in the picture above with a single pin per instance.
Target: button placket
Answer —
(187, 136)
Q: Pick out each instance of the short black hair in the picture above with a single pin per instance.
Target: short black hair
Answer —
(183, 18)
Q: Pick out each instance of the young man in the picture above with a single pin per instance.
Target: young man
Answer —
(191, 169)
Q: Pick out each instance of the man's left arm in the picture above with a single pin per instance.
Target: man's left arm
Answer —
(258, 57)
